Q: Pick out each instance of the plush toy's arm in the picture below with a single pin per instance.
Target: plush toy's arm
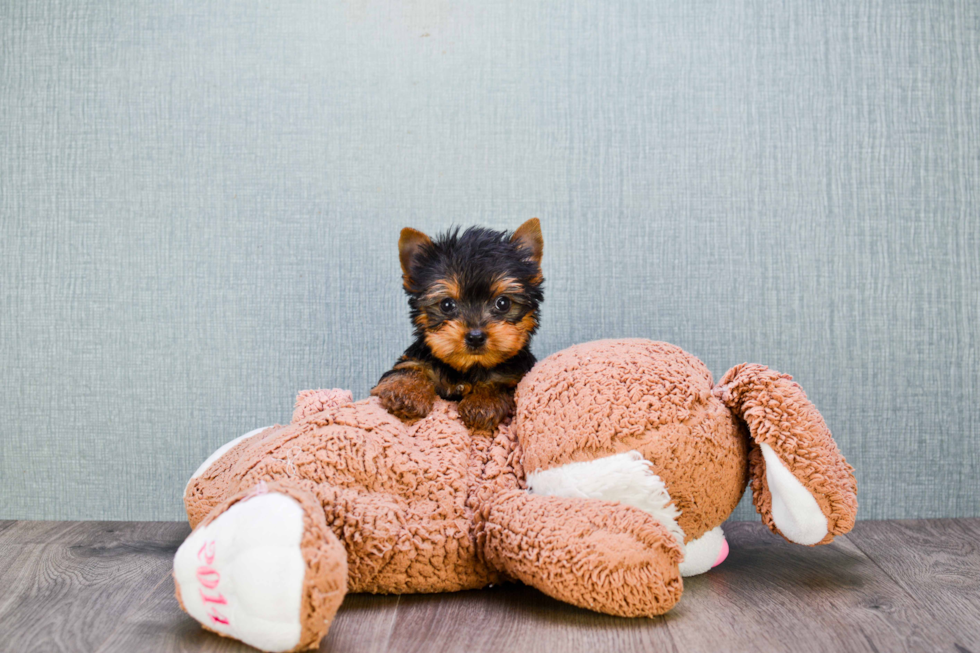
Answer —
(801, 484)
(600, 555)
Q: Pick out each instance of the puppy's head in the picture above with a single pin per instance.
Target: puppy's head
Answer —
(474, 295)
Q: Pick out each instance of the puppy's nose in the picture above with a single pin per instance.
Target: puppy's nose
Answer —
(476, 337)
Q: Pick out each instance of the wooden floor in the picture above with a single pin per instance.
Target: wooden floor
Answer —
(888, 586)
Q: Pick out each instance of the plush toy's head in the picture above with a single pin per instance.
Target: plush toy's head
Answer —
(601, 398)
(580, 410)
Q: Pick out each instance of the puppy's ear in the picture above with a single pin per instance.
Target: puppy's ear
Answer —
(409, 245)
(528, 236)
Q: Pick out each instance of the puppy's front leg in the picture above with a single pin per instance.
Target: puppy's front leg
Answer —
(486, 406)
(406, 392)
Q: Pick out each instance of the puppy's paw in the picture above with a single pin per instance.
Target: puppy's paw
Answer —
(406, 395)
(484, 408)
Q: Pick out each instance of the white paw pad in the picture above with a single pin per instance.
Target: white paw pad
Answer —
(704, 553)
(242, 574)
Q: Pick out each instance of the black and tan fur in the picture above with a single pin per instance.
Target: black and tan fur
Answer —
(474, 299)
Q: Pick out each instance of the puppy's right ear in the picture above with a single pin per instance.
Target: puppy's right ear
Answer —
(409, 245)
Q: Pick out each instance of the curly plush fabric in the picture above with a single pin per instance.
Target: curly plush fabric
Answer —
(311, 402)
(395, 495)
(429, 506)
(606, 397)
(780, 415)
(599, 555)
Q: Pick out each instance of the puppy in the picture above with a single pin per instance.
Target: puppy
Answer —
(474, 300)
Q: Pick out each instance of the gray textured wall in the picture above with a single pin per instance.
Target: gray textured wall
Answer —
(199, 204)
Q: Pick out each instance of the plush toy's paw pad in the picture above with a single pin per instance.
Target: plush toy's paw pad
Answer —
(794, 510)
(704, 553)
(242, 574)
(407, 396)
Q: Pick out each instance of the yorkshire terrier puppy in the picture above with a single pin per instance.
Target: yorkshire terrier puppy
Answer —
(474, 301)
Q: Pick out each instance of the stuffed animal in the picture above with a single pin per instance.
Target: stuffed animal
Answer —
(608, 486)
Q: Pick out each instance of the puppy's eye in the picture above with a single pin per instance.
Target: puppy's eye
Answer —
(448, 305)
(502, 305)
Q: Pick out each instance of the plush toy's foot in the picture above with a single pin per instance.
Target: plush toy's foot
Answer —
(600, 555)
(629, 479)
(263, 568)
(704, 553)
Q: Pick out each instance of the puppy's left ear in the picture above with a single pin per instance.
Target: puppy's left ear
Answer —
(528, 236)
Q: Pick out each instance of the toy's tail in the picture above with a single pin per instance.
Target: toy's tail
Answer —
(801, 484)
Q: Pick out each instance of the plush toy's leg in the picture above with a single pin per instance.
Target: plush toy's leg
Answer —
(629, 479)
(264, 568)
(801, 484)
(219, 452)
(215, 480)
(600, 555)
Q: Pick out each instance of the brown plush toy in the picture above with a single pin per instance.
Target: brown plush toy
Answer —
(607, 487)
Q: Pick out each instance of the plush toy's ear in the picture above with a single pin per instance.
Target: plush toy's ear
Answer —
(801, 484)
(409, 245)
(528, 237)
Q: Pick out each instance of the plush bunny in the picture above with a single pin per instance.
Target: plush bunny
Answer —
(609, 484)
